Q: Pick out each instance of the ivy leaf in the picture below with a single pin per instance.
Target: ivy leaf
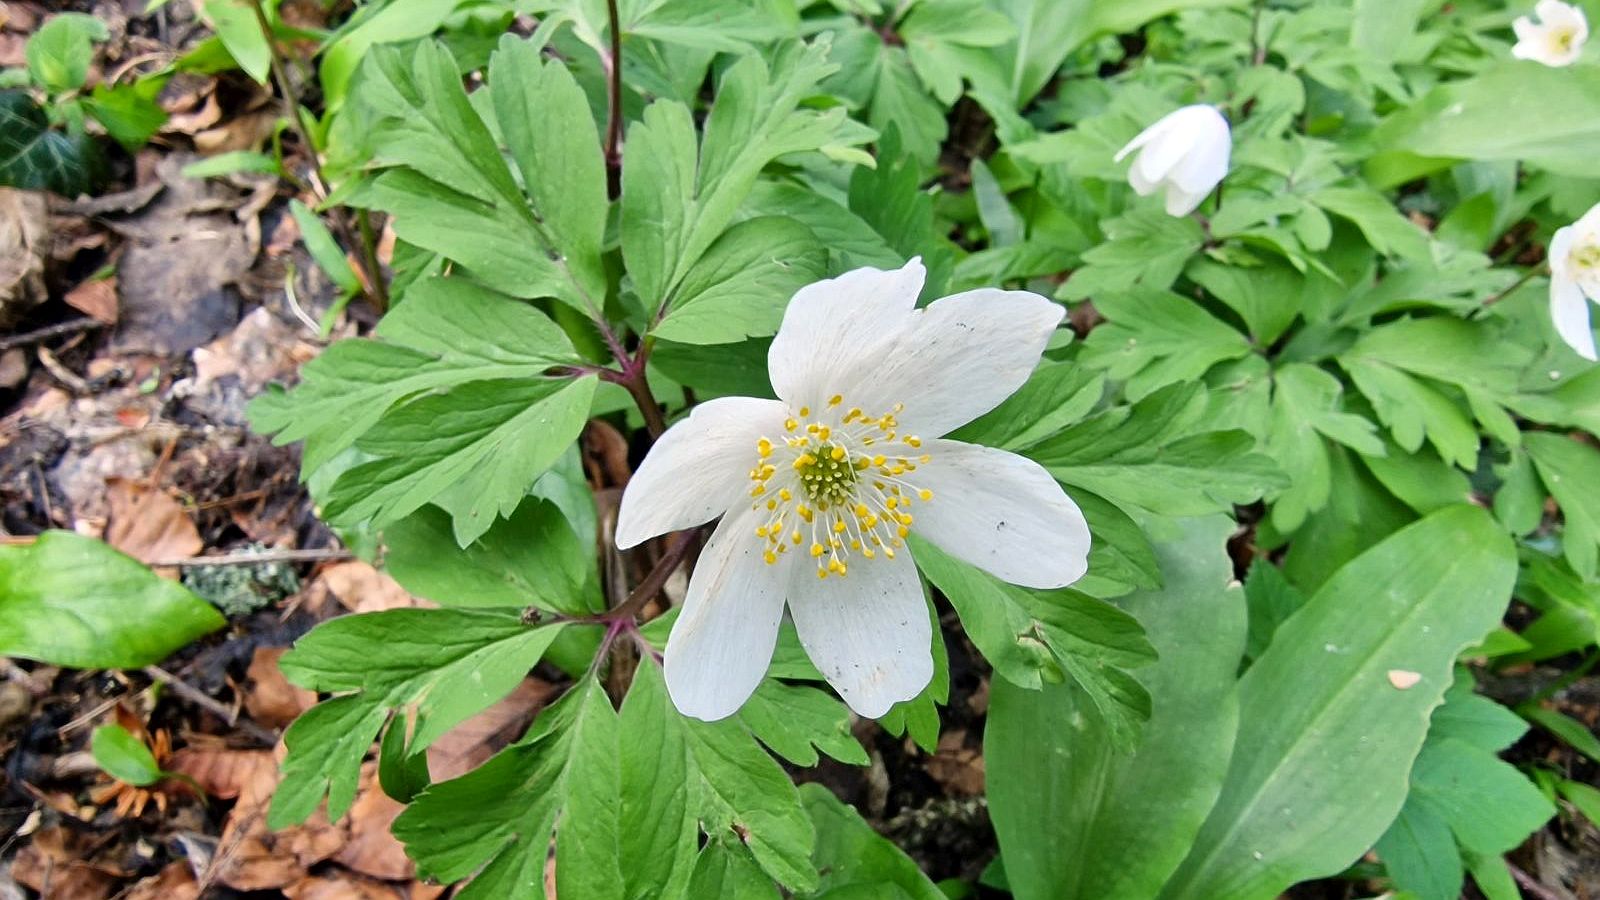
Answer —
(70, 600)
(450, 190)
(677, 197)
(448, 664)
(35, 158)
(1027, 633)
(740, 287)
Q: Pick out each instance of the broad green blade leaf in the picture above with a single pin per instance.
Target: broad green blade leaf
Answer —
(1326, 740)
(742, 284)
(33, 157)
(1520, 111)
(449, 664)
(123, 756)
(851, 855)
(235, 23)
(532, 558)
(485, 441)
(451, 192)
(60, 52)
(677, 197)
(324, 250)
(1074, 817)
(1028, 634)
(69, 600)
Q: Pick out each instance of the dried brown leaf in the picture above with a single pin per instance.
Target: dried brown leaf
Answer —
(147, 524)
(268, 696)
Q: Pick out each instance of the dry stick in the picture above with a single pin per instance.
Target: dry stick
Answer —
(1530, 885)
(211, 705)
(374, 280)
(251, 559)
(50, 331)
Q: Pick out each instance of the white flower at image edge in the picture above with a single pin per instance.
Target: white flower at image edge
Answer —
(1186, 153)
(819, 489)
(1556, 39)
(1575, 274)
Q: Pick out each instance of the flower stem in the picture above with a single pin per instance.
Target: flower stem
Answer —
(1526, 277)
(647, 589)
(613, 148)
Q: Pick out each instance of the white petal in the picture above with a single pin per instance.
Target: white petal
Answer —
(1002, 513)
(1144, 137)
(1554, 13)
(868, 632)
(721, 644)
(698, 469)
(1140, 186)
(1560, 250)
(833, 324)
(1569, 310)
(1181, 202)
(1207, 163)
(1163, 154)
(956, 360)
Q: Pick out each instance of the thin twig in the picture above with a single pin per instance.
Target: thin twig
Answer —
(50, 331)
(653, 582)
(253, 559)
(1531, 885)
(211, 705)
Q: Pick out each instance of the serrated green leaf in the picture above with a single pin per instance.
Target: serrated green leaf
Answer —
(741, 285)
(1144, 247)
(795, 722)
(726, 869)
(1306, 409)
(852, 856)
(70, 600)
(1153, 338)
(1569, 470)
(1491, 807)
(849, 240)
(1389, 232)
(448, 664)
(531, 558)
(1420, 854)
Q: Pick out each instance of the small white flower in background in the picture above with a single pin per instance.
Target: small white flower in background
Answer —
(1574, 274)
(1556, 39)
(819, 489)
(1186, 153)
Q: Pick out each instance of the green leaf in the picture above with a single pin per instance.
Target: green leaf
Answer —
(1576, 734)
(124, 757)
(531, 558)
(235, 23)
(1585, 798)
(892, 93)
(677, 199)
(388, 24)
(1513, 111)
(1144, 247)
(1325, 739)
(231, 162)
(449, 664)
(1359, 514)
(1144, 456)
(741, 285)
(1389, 232)
(1056, 394)
(1074, 817)
(849, 240)
(129, 112)
(1268, 297)
(1420, 854)
(60, 52)
(795, 722)
(69, 600)
(1120, 556)
(324, 250)
(1569, 469)
(484, 442)
(1491, 807)
(891, 199)
(450, 190)
(851, 855)
(1153, 338)
(35, 158)
(1026, 634)
(1272, 600)
(725, 869)
(1306, 404)
(448, 332)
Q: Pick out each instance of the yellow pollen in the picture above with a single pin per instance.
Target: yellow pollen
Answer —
(785, 496)
(925, 495)
(862, 510)
(879, 460)
(794, 536)
(903, 531)
(764, 447)
(772, 504)
(914, 441)
(805, 411)
(770, 557)
(817, 550)
(822, 574)
(761, 531)
(824, 432)
(790, 424)
(813, 428)
(889, 552)
(838, 526)
(836, 399)
(869, 553)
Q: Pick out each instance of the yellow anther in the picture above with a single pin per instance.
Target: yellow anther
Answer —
(869, 553)
(903, 531)
(764, 447)
(761, 531)
(790, 424)
(813, 428)
(924, 494)
(805, 411)
(794, 536)
(835, 543)
(854, 413)
(870, 521)
(772, 505)
(855, 545)
(897, 470)
(824, 432)
(837, 453)
(770, 557)
(861, 463)
(822, 574)
(879, 460)
(889, 552)
(836, 399)
(817, 550)
(903, 518)
(892, 502)
(924, 459)
(805, 514)
(805, 460)
(838, 526)
(783, 494)
(914, 441)
(862, 510)
(758, 490)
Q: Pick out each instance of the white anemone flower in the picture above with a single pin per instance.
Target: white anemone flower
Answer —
(819, 489)
(1575, 274)
(1186, 153)
(1556, 39)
